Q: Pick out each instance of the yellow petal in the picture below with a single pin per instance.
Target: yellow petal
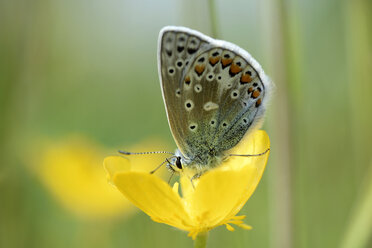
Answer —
(175, 187)
(257, 142)
(254, 143)
(218, 193)
(222, 192)
(115, 164)
(154, 197)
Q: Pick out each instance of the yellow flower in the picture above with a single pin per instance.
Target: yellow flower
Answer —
(71, 169)
(214, 199)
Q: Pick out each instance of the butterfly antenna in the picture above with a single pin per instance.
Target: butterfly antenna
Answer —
(158, 167)
(143, 153)
(251, 155)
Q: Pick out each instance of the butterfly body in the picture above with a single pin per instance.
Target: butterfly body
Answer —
(214, 92)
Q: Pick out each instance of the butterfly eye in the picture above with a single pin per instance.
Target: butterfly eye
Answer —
(178, 163)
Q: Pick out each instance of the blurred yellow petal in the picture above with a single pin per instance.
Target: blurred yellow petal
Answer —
(154, 197)
(115, 164)
(71, 169)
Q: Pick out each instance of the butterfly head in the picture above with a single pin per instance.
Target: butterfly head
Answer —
(175, 165)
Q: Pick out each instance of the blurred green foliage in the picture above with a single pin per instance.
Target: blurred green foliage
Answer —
(90, 67)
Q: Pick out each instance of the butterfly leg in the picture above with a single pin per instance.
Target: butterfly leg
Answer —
(170, 178)
(196, 176)
(167, 165)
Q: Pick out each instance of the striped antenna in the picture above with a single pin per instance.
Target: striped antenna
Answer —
(251, 155)
(143, 153)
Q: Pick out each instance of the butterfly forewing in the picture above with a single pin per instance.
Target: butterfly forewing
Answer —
(177, 51)
(213, 91)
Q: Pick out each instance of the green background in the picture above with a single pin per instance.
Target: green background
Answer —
(90, 67)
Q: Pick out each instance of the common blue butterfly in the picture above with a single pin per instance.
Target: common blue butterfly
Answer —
(214, 92)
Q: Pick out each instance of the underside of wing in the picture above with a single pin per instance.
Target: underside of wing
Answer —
(178, 48)
(214, 92)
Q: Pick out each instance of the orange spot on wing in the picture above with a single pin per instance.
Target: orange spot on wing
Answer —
(226, 62)
(214, 60)
(258, 103)
(255, 94)
(250, 90)
(234, 68)
(245, 79)
(187, 80)
(199, 69)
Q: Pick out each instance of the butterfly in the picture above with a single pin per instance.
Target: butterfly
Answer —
(214, 93)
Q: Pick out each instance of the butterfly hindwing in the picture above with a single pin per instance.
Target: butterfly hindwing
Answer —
(214, 93)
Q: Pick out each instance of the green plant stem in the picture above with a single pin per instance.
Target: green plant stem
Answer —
(284, 61)
(201, 240)
(213, 18)
(359, 229)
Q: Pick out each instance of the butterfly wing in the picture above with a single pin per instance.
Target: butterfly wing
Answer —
(214, 92)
